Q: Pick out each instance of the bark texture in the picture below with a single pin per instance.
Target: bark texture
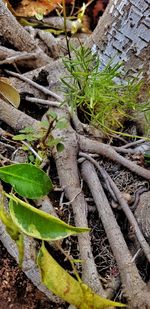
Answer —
(10, 29)
(123, 33)
(142, 214)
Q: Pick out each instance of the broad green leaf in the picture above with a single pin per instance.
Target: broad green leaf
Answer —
(10, 93)
(27, 180)
(65, 286)
(22, 137)
(27, 130)
(38, 224)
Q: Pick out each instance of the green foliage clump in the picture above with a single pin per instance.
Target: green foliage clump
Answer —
(96, 93)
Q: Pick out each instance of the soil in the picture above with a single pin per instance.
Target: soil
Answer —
(16, 290)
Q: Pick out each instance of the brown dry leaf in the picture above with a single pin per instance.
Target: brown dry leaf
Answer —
(28, 8)
(99, 7)
(10, 93)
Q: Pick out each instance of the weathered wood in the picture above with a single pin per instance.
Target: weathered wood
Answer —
(142, 214)
(123, 33)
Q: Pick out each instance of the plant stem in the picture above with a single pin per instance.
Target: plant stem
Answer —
(65, 29)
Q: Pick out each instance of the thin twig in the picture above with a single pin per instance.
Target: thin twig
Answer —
(7, 145)
(124, 150)
(70, 202)
(32, 150)
(37, 86)
(107, 185)
(7, 160)
(135, 143)
(19, 57)
(130, 216)
(43, 102)
(136, 255)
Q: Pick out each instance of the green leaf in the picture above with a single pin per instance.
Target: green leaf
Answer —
(39, 16)
(53, 141)
(31, 158)
(10, 93)
(19, 137)
(38, 224)
(61, 124)
(65, 286)
(53, 115)
(44, 123)
(27, 130)
(27, 180)
(11, 228)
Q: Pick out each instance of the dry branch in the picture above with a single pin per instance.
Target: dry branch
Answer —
(135, 289)
(12, 31)
(15, 34)
(123, 205)
(15, 118)
(109, 152)
(37, 86)
(8, 56)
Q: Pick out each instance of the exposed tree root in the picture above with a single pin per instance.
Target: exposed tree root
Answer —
(123, 205)
(135, 289)
(66, 163)
(110, 153)
(142, 213)
(15, 34)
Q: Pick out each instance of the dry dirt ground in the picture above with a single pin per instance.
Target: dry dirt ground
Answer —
(16, 291)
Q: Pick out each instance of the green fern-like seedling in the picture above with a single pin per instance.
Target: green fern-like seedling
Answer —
(95, 94)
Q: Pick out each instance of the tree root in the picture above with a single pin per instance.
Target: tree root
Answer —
(66, 163)
(15, 34)
(135, 289)
(124, 206)
(110, 153)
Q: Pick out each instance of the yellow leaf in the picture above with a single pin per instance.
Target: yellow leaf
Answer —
(65, 286)
(10, 93)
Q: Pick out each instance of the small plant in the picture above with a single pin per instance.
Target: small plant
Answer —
(96, 93)
(42, 138)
